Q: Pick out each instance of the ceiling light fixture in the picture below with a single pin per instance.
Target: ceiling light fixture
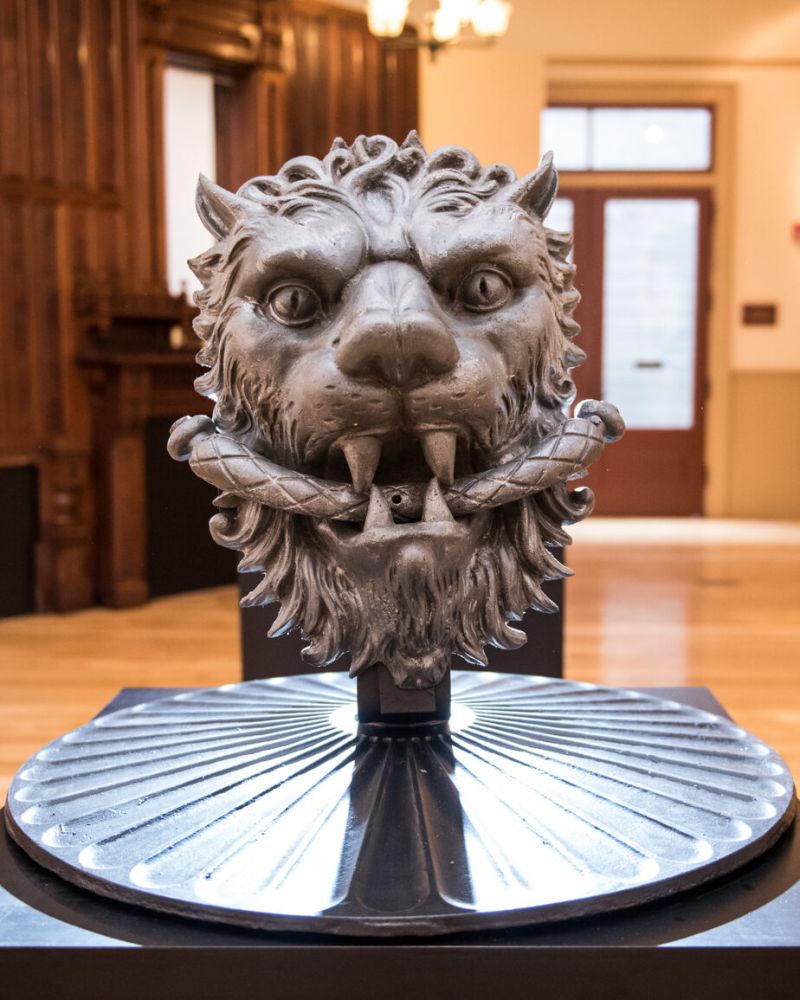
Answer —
(453, 22)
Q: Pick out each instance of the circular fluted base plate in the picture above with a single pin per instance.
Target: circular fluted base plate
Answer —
(257, 804)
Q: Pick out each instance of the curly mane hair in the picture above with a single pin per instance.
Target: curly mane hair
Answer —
(377, 180)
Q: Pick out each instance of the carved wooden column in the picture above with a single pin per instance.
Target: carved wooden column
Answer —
(120, 402)
(133, 374)
(63, 576)
(128, 388)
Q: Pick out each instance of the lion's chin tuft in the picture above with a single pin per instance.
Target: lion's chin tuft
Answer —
(413, 614)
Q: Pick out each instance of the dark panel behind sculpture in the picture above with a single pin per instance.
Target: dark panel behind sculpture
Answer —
(180, 553)
(264, 657)
(18, 502)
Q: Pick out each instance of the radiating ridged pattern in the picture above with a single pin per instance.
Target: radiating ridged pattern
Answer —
(258, 804)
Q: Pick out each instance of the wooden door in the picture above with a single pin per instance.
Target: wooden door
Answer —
(643, 272)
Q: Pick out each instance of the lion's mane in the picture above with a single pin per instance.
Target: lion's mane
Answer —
(462, 612)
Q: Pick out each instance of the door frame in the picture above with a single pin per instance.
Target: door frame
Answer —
(589, 227)
(591, 85)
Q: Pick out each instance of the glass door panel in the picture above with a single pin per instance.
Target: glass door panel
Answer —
(650, 310)
(561, 218)
(561, 215)
(642, 257)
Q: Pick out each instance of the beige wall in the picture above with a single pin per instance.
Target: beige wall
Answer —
(765, 441)
(672, 29)
(490, 101)
(767, 259)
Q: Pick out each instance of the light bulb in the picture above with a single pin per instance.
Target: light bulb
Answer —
(387, 18)
(446, 25)
(491, 18)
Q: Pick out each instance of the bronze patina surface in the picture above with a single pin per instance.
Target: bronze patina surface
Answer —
(389, 339)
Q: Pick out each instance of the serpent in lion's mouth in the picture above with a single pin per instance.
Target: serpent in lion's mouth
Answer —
(395, 507)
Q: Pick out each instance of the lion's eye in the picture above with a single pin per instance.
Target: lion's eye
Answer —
(294, 305)
(484, 289)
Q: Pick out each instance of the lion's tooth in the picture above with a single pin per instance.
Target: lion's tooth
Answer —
(363, 455)
(439, 449)
(379, 513)
(435, 507)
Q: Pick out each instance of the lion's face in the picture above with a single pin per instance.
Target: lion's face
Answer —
(385, 339)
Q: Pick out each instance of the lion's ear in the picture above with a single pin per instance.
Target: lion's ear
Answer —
(218, 209)
(536, 191)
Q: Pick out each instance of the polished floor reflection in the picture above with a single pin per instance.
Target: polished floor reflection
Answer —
(660, 602)
(693, 602)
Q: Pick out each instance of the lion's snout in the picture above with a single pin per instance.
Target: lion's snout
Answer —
(394, 333)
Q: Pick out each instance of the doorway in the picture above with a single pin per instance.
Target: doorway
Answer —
(643, 272)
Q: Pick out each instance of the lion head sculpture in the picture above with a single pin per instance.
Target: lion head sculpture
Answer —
(388, 337)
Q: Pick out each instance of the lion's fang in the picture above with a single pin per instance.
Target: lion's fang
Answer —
(439, 449)
(435, 507)
(363, 455)
(379, 513)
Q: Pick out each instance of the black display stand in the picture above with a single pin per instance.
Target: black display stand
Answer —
(736, 937)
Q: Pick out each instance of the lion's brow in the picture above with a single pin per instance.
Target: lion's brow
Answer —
(460, 253)
(307, 261)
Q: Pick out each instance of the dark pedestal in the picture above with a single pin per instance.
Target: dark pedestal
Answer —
(736, 937)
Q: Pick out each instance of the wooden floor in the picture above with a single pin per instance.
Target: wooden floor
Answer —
(659, 602)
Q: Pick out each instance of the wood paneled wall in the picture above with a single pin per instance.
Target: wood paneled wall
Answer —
(82, 200)
(342, 81)
(61, 183)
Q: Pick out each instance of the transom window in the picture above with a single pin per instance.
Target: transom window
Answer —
(628, 138)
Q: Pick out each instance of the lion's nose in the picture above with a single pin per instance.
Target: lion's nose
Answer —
(394, 332)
